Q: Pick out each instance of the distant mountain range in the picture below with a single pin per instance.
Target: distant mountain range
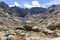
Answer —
(21, 12)
(35, 19)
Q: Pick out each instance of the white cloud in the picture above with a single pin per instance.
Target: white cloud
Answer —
(15, 4)
(11, 5)
(43, 6)
(56, 2)
(27, 5)
(33, 4)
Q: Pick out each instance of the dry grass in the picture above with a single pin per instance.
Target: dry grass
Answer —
(56, 38)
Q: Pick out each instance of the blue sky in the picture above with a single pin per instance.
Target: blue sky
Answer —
(31, 3)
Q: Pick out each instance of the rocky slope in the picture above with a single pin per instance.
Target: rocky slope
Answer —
(29, 24)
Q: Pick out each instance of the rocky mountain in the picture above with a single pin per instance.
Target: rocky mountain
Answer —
(37, 23)
(16, 11)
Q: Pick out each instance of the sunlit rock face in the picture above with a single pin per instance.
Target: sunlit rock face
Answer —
(37, 23)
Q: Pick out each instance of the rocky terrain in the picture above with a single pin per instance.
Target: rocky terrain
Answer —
(37, 23)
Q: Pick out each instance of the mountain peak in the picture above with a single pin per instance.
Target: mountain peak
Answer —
(53, 6)
(3, 5)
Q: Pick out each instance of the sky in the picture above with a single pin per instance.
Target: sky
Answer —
(31, 3)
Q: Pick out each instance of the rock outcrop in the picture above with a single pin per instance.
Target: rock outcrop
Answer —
(29, 24)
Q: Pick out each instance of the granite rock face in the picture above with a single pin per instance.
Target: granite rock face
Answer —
(29, 24)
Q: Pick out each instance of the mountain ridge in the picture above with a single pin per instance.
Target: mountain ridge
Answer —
(18, 23)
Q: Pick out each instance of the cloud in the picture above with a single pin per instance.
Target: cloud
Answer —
(56, 2)
(27, 5)
(11, 5)
(33, 4)
(15, 4)
(43, 6)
